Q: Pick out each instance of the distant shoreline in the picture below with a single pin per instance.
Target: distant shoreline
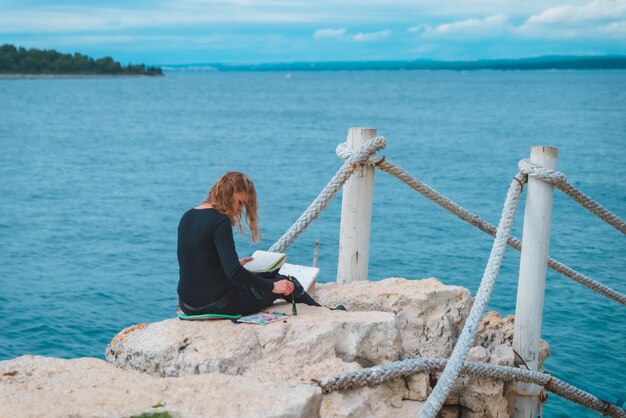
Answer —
(9, 76)
(546, 63)
(522, 64)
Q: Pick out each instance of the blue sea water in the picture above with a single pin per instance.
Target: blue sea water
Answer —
(95, 173)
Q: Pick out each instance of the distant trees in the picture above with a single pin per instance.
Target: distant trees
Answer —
(34, 61)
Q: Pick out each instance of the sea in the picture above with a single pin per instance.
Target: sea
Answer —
(96, 172)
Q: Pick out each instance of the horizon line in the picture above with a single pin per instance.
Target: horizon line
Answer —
(541, 62)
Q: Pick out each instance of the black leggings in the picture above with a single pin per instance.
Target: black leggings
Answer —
(243, 301)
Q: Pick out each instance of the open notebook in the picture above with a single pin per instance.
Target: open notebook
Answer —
(264, 261)
(306, 275)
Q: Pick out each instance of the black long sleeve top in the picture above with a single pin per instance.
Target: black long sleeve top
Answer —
(208, 262)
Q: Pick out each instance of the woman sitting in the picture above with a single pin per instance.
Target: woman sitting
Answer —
(212, 279)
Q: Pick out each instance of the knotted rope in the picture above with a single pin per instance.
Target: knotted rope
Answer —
(356, 158)
(380, 374)
(452, 207)
(456, 365)
(344, 152)
(559, 180)
(468, 334)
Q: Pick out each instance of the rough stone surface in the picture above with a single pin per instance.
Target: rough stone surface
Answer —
(449, 412)
(482, 397)
(418, 387)
(313, 344)
(430, 314)
(496, 335)
(380, 401)
(171, 364)
(88, 387)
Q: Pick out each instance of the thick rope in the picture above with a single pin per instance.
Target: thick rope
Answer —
(559, 180)
(380, 374)
(586, 281)
(344, 152)
(468, 334)
(359, 156)
(430, 193)
(456, 364)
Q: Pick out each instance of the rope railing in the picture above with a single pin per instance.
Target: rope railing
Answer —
(456, 209)
(468, 334)
(321, 201)
(559, 180)
(379, 374)
(456, 365)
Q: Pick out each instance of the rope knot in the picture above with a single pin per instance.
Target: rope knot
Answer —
(548, 175)
(365, 153)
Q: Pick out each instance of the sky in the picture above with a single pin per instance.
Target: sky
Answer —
(162, 32)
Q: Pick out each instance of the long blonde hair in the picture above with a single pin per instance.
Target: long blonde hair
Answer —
(221, 198)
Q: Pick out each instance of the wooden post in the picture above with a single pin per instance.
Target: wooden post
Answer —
(532, 279)
(356, 215)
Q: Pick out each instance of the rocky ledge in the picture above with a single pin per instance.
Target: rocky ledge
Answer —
(218, 368)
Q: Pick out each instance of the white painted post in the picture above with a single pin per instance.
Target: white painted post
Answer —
(356, 215)
(532, 279)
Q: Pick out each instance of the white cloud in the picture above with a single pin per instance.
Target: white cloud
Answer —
(614, 28)
(96, 39)
(329, 33)
(419, 28)
(593, 11)
(473, 26)
(371, 36)
(75, 19)
(343, 33)
(594, 19)
(65, 40)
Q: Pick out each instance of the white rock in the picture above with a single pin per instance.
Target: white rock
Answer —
(374, 402)
(480, 397)
(430, 314)
(255, 370)
(502, 355)
(313, 344)
(483, 397)
(396, 401)
(478, 354)
(88, 387)
(496, 334)
(418, 387)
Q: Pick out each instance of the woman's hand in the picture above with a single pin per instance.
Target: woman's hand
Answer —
(245, 260)
(283, 287)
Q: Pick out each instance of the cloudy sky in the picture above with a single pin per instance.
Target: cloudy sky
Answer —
(206, 31)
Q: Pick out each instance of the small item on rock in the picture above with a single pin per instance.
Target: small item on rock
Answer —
(262, 318)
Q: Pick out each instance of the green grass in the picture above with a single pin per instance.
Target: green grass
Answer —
(164, 414)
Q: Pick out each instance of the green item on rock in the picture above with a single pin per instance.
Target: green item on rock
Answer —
(186, 317)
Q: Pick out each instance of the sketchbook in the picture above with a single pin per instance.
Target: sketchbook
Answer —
(306, 275)
(265, 261)
(263, 318)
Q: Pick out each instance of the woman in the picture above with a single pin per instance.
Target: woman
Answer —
(212, 279)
